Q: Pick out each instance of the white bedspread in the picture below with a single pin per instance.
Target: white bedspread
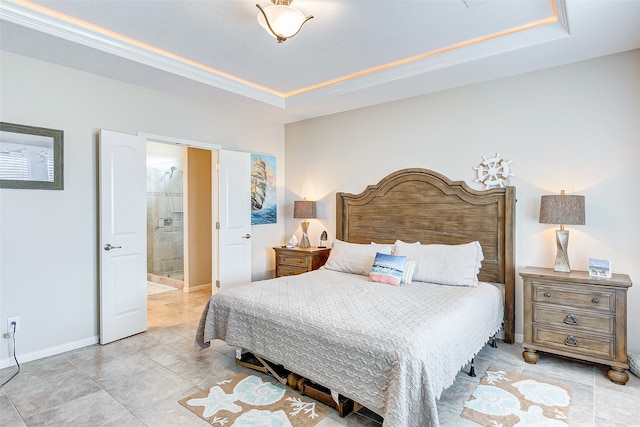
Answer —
(392, 349)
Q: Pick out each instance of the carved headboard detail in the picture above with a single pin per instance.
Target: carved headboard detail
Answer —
(425, 206)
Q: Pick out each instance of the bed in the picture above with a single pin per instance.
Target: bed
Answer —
(392, 349)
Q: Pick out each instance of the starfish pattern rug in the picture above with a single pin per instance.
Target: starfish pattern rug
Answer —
(505, 399)
(247, 400)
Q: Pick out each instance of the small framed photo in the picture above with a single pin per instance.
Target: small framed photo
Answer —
(600, 268)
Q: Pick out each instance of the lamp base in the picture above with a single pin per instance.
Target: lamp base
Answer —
(304, 242)
(562, 257)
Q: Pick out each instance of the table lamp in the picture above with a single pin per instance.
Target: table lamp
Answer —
(562, 209)
(304, 209)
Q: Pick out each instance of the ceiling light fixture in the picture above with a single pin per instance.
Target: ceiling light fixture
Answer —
(281, 20)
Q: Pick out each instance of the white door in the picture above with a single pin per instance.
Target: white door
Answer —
(123, 235)
(235, 219)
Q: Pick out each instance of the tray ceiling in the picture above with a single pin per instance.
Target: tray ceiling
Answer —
(351, 54)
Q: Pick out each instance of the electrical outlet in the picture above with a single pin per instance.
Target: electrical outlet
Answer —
(10, 320)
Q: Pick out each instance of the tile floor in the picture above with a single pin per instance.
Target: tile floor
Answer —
(139, 380)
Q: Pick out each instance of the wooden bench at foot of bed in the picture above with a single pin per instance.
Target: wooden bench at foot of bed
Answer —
(344, 406)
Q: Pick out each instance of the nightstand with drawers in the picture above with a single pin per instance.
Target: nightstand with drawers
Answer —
(577, 316)
(292, 261)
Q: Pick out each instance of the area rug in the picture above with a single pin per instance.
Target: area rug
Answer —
(247, 400)
(504, 399)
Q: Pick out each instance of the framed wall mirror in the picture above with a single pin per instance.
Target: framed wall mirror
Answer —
(31, 157)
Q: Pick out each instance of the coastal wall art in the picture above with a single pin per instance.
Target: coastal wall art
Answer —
(264, 208)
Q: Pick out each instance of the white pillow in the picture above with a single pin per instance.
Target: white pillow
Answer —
(456, 265)
(409, 270)
(354, 258)
(405, 243)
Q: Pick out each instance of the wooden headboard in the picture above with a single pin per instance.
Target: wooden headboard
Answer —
(425, 206)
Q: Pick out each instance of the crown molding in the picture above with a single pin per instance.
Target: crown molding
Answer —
(492, 45)
(42, 19)
(58, 25)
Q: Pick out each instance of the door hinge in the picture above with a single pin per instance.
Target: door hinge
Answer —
(218, 284)
(217, 225)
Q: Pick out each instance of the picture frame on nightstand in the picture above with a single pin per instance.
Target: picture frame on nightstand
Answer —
(600, 268)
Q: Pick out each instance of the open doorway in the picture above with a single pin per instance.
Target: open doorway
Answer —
(165, 217)
(179, 218)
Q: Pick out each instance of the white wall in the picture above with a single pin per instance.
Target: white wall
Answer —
(575, 128)
(48, 239)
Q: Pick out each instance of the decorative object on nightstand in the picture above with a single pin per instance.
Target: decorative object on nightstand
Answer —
(562, 209)
(600, 268)
(577, 316)
(323, 240)
(305, 209)
(293, 241)
(292, 261)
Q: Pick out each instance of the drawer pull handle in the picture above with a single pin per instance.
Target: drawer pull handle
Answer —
(548, 295)
(571, 341)
(571, 320)
(595, 300)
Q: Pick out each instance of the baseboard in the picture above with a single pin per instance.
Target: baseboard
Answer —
(519, 338)
(51, 351)
(196, 288)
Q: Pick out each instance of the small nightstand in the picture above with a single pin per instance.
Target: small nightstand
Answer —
(578, 316)
(291, 261)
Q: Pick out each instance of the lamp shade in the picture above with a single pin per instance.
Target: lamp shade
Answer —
(304, 209)
(562, 209)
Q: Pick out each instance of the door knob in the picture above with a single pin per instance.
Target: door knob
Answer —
(108, 247)
(246, 236)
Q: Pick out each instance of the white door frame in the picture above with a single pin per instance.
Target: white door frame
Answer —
(214, 148)
(179, 141)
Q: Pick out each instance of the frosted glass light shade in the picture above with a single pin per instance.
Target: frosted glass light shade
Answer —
(280, 20)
